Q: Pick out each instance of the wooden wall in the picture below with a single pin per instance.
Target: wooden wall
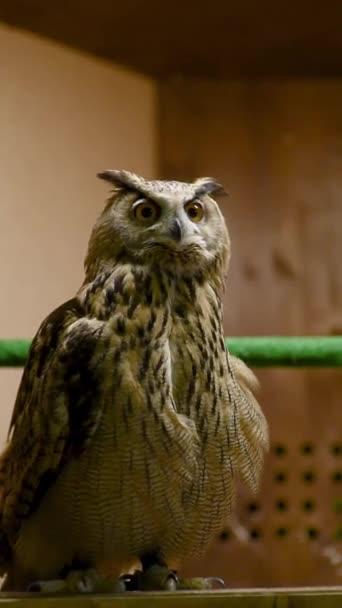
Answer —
(277, 147)
(57, 109)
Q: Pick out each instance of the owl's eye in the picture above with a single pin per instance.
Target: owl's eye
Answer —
(194, 211)
(146, 212)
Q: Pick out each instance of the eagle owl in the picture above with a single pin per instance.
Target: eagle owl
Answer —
(132, 420)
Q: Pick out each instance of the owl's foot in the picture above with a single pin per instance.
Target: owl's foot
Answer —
(79, 581)
(160, 578)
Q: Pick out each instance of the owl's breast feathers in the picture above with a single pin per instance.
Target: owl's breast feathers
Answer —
(142, 342)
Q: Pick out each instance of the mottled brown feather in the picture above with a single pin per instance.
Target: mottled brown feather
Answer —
(53, 416)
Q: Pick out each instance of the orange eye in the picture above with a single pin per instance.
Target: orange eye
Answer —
(194, 210)
(146, 212)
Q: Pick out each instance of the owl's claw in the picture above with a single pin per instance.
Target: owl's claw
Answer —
(216, 579)
(200, 583)
(130, 582)
(154, 578)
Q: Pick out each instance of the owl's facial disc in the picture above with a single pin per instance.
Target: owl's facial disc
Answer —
(146, 212)
(173, 231)
(168, 225)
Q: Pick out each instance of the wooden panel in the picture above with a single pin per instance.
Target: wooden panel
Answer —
(277, 147)
(202, 39)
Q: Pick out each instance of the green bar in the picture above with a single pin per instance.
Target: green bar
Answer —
(268, 351)
(13, 353)
(276, 351)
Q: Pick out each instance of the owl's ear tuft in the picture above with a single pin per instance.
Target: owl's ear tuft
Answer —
(120, 178)
(105, 175)
(112, 177)
(209, 185)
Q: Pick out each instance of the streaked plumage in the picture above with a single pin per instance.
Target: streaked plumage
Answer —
(131, 421)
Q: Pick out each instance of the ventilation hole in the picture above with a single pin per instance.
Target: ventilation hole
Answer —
(338, 534)
(281, 504)
(280, 449)
(253, 507)
(336, 449)
(307, 448)
(312, 533)
(280, 476)
(282, 532)
(309, 476)
(225, 535)
(337, 507)
(255, 534)
(308, 505)
(337, 476)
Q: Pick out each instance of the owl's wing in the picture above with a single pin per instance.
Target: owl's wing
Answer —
(55, 414)
(253, 429)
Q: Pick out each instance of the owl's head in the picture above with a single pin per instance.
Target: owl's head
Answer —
(169, 224)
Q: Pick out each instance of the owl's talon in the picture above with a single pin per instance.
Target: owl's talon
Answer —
(130, 581)
(153, 578)
(172, 581)
(199, 583)
(215, 579)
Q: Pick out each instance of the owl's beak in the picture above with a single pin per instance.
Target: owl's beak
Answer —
(175, 231)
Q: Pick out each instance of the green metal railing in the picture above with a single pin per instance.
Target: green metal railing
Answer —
(258, 351)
